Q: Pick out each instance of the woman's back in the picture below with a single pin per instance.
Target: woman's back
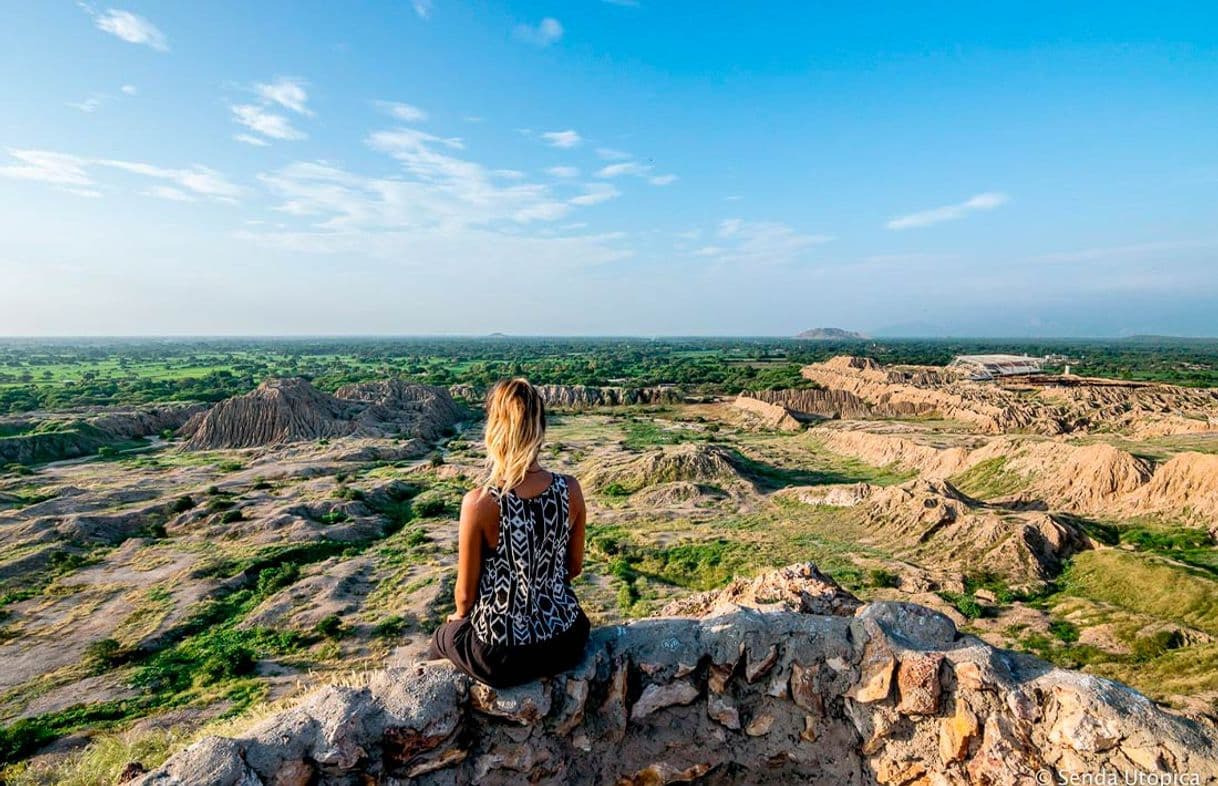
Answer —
(524, 591)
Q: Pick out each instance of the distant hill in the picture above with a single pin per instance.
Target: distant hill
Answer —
(831, 334)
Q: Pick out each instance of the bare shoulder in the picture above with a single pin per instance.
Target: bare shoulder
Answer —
(481, 503)
(576, 491)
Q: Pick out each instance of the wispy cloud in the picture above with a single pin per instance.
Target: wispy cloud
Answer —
(287, 92)
(624, 168)
(406, 112)
(61, 169)
(89, 105)
(609, 154)
(563, 171)
(198, 180)
(758, 243)
(564, 139)
(290, 93)
(65, 169)
(596, 193)
(129, 90)
(132, 28)
(258, 119)
(250, 139)
(635, 169)
(422, 8)
(544, 33)
(924, 218)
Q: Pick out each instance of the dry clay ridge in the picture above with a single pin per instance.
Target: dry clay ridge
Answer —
(783, 679)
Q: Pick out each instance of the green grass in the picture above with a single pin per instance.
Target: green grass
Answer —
(1146, 583)
(642, 434)
(989, 479)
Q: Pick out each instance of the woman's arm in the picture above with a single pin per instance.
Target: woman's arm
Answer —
(578, 515)
(470, 540)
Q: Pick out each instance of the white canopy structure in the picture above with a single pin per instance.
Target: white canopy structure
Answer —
(982, 367)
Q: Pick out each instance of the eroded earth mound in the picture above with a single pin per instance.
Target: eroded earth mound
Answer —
(35, 437)
(891, 695)
(292, 410)
(1039, 404)
(697, 463)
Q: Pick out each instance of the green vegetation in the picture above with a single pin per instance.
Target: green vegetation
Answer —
(57, 373)
(989, 479)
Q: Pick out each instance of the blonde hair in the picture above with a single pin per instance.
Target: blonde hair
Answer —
(515, 427)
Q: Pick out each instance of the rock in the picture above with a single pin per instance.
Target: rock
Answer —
(759, 725)
(956, 732)
(657, 697)
(296, 772)
(131, 770)
(722, 709)
(801, 588)
(664, 773)
(834, 721)
(918, 683)
(875, 672)
(525, 704)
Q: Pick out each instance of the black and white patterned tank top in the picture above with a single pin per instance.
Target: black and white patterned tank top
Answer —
(524, 595)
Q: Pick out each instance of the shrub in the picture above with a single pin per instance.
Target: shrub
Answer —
(183, 503)
(436, 460)
(616, 490)
(1067, 632)
(102, 655)
(1150, 647)
(105, 451)
(428, 507)
(334, 516)
(390, 627)
(231, 516)
(883, 578)
(331, 626)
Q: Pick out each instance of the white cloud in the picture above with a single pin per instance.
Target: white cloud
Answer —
(609, 154)
(288, 92)
(129, 90)
(564, 139)
(753, 243)
(45, 166)
(624, 168)
(170, 193)
(596, 193)
(131, 28)
(89, 105)
(422, 8)
(257, 119)
(65, 169)
(250, 139)
(198, 179)
(546, 32)
(563, 171)
(405, 112)
(986, 201)
(663, 180)
(509, 174)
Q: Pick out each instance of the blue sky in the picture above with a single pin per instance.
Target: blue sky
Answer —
(594, 167)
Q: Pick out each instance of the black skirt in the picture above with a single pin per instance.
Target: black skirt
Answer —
(503, 666)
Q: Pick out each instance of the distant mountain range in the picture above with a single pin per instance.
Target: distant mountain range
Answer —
(831, 334)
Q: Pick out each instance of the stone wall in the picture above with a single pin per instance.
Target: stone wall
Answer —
(890, 694)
